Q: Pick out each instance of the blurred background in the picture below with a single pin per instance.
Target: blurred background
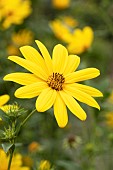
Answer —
(85, 28)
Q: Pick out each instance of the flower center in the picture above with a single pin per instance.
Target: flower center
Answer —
(56, 81)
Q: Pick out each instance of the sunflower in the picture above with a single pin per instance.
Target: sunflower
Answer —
(54, 81)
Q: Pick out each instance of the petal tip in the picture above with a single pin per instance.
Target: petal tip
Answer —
(83, 118)
(62, 125)
(5, 78)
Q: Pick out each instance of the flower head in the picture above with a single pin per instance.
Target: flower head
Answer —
(62, 4)
(16, 162)
(55, 81)
(70, 21)
(12, 110)
(81, 40)
(14, 12)
(61, 30)
(19, 39)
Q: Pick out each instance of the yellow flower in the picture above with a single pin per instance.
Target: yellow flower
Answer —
(1, 9)
(109, 119)
(54, 81)
(23, 37)
(61, 30)
(69, 21)
(44, 165)
(61, 4)
(77, 40)
(3, 100)
(16, 162)
(81, 40)
(14, 12)
(12, 49)
(19, 39)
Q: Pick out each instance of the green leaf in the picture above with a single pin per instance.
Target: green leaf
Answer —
(7, 146)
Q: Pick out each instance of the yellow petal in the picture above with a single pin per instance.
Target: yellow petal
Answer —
(22, 78)
(32, 67)
(31, 90)
(73, 106)
(88, 36)
(81, 96)
(46, 56)
(60, 58)
(4, 99)
(89, 90)
(33, 55)
(76, 46)
(73, 63)
(60, 112)
(46, 99)
(81, 75)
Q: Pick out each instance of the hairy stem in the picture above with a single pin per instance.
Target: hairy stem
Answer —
(11, 156)
(25, 120)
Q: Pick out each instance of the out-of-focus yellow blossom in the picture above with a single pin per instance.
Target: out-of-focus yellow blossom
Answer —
(61, 30)
(23, 37)
(12, 50)
(70, 21)
(3, 100)
(44, 165)
(1, 9)
(20, 38)
(16, 162)
(14, 12)
(81, 40)
(77, 40)
(55, 81)
(34, 146)
(61, 4)
(109, 119)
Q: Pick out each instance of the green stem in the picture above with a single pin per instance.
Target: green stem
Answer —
(11, 156)
(25, 120)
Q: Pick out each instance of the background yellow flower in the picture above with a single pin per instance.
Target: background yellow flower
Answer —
(16, 162)
(62, 4)
(22, 37)
(14, 12)
(81, 40)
